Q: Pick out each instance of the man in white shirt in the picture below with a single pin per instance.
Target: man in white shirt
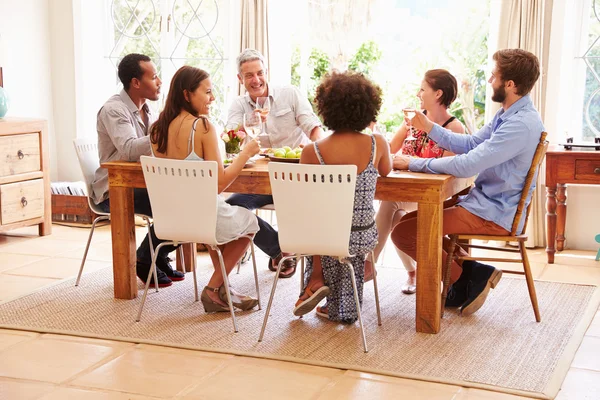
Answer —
(291, 122)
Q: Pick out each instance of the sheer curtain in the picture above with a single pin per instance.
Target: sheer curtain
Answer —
(525, 24)
(254, 32)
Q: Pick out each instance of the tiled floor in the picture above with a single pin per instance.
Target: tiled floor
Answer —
(52, 367)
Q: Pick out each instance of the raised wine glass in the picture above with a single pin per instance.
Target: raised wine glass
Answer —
(252, 124)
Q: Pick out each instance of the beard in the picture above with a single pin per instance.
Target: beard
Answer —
(499, 94)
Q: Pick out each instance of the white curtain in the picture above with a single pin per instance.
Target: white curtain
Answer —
(525, 24)
(254, 29)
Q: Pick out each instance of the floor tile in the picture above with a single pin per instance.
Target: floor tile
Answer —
(571, 274)
(83, 394)
(101, 233)
(22, 390)
(577, 258)
(50, 360)
(250, 378)
(594, 329)
(478, 394)
(10, 261)
(580, 384)
(98, 251)
(360, 386)
(588, 355)
(9, 338)
(151, 373)
(43, 246)
(57, 267)
(12, 286)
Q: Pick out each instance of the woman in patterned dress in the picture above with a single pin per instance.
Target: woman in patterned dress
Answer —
(437, 92)
(347, 102)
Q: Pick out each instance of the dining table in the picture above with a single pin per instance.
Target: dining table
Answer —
(429, 191)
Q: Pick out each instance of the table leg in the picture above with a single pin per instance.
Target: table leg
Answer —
(429, 271)
(550, 222)
(123, 242)
(561, 216)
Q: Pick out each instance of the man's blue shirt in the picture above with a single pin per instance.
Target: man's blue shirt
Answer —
(501, 153)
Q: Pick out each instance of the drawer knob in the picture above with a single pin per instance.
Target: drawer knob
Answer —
(23, 201)
(20, 154)
(597, 171)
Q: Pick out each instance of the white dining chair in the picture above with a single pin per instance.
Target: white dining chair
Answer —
(183, 196)
(87, 154)
(315, 206)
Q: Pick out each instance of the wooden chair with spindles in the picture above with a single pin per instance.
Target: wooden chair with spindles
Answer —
(538, 157)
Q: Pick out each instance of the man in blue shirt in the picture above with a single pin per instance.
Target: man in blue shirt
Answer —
(501, 153)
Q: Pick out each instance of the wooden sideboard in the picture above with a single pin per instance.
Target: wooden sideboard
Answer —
(565, 167)
(24, 175)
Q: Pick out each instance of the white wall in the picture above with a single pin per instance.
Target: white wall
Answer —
(563, 114)
(25, 30)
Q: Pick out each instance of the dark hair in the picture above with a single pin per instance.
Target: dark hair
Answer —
(440, 79)
(130, 68)
(185, 79)
(519, 66)
(347, 100)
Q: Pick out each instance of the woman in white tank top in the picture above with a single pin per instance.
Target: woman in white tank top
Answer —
(183, 132)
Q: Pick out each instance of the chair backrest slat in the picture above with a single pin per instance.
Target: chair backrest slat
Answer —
(89, 160)
(533, 172)
(183, 197)
(314, 205)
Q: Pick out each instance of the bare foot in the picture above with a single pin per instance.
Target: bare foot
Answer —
(214, 296)
(368, 271)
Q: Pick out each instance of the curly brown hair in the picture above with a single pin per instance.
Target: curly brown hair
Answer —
(347, 101)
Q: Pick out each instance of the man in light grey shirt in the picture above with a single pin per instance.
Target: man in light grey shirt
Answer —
(122, 126)
(290, 122)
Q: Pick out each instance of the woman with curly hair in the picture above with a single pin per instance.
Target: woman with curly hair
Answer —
(347, 102)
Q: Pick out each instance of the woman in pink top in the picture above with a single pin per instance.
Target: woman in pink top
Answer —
(438, 91)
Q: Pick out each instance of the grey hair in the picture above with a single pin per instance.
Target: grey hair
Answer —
(248, 55)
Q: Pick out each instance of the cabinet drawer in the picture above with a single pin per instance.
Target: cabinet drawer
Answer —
(587, 170)
(21, 201)
(19, 154)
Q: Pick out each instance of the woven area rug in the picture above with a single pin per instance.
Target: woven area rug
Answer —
(500, 347)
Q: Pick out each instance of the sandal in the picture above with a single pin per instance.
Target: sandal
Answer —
(289, 266)
(323, 312)
(314, 298)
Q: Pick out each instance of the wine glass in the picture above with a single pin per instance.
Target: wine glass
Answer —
(252, 124)
(263, 106)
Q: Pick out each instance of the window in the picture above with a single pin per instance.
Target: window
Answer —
(394, 43)
(175, 33)
(590, 125)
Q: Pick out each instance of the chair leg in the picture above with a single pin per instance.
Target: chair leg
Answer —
(226, 284)
(447, 270)
(195, 266)
(87, 246)
(240, 264)
(152, 268)
(264, 325)
(357, 301)
(255, 274)
(529, 279)
(152, 251)
(376, 289)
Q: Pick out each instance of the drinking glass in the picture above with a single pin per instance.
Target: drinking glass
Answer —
(252, 124)
(263, 106)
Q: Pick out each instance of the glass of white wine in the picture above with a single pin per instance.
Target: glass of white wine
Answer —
(252, 124)
(263, 106)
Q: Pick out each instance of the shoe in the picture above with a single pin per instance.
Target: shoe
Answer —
(238, 300)
(305, 306)
(323, 312)
(164, 265)
(142, 270)
(289, 266)
(457, 292)
(408, 288)
(209, 305)
(482, 278)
